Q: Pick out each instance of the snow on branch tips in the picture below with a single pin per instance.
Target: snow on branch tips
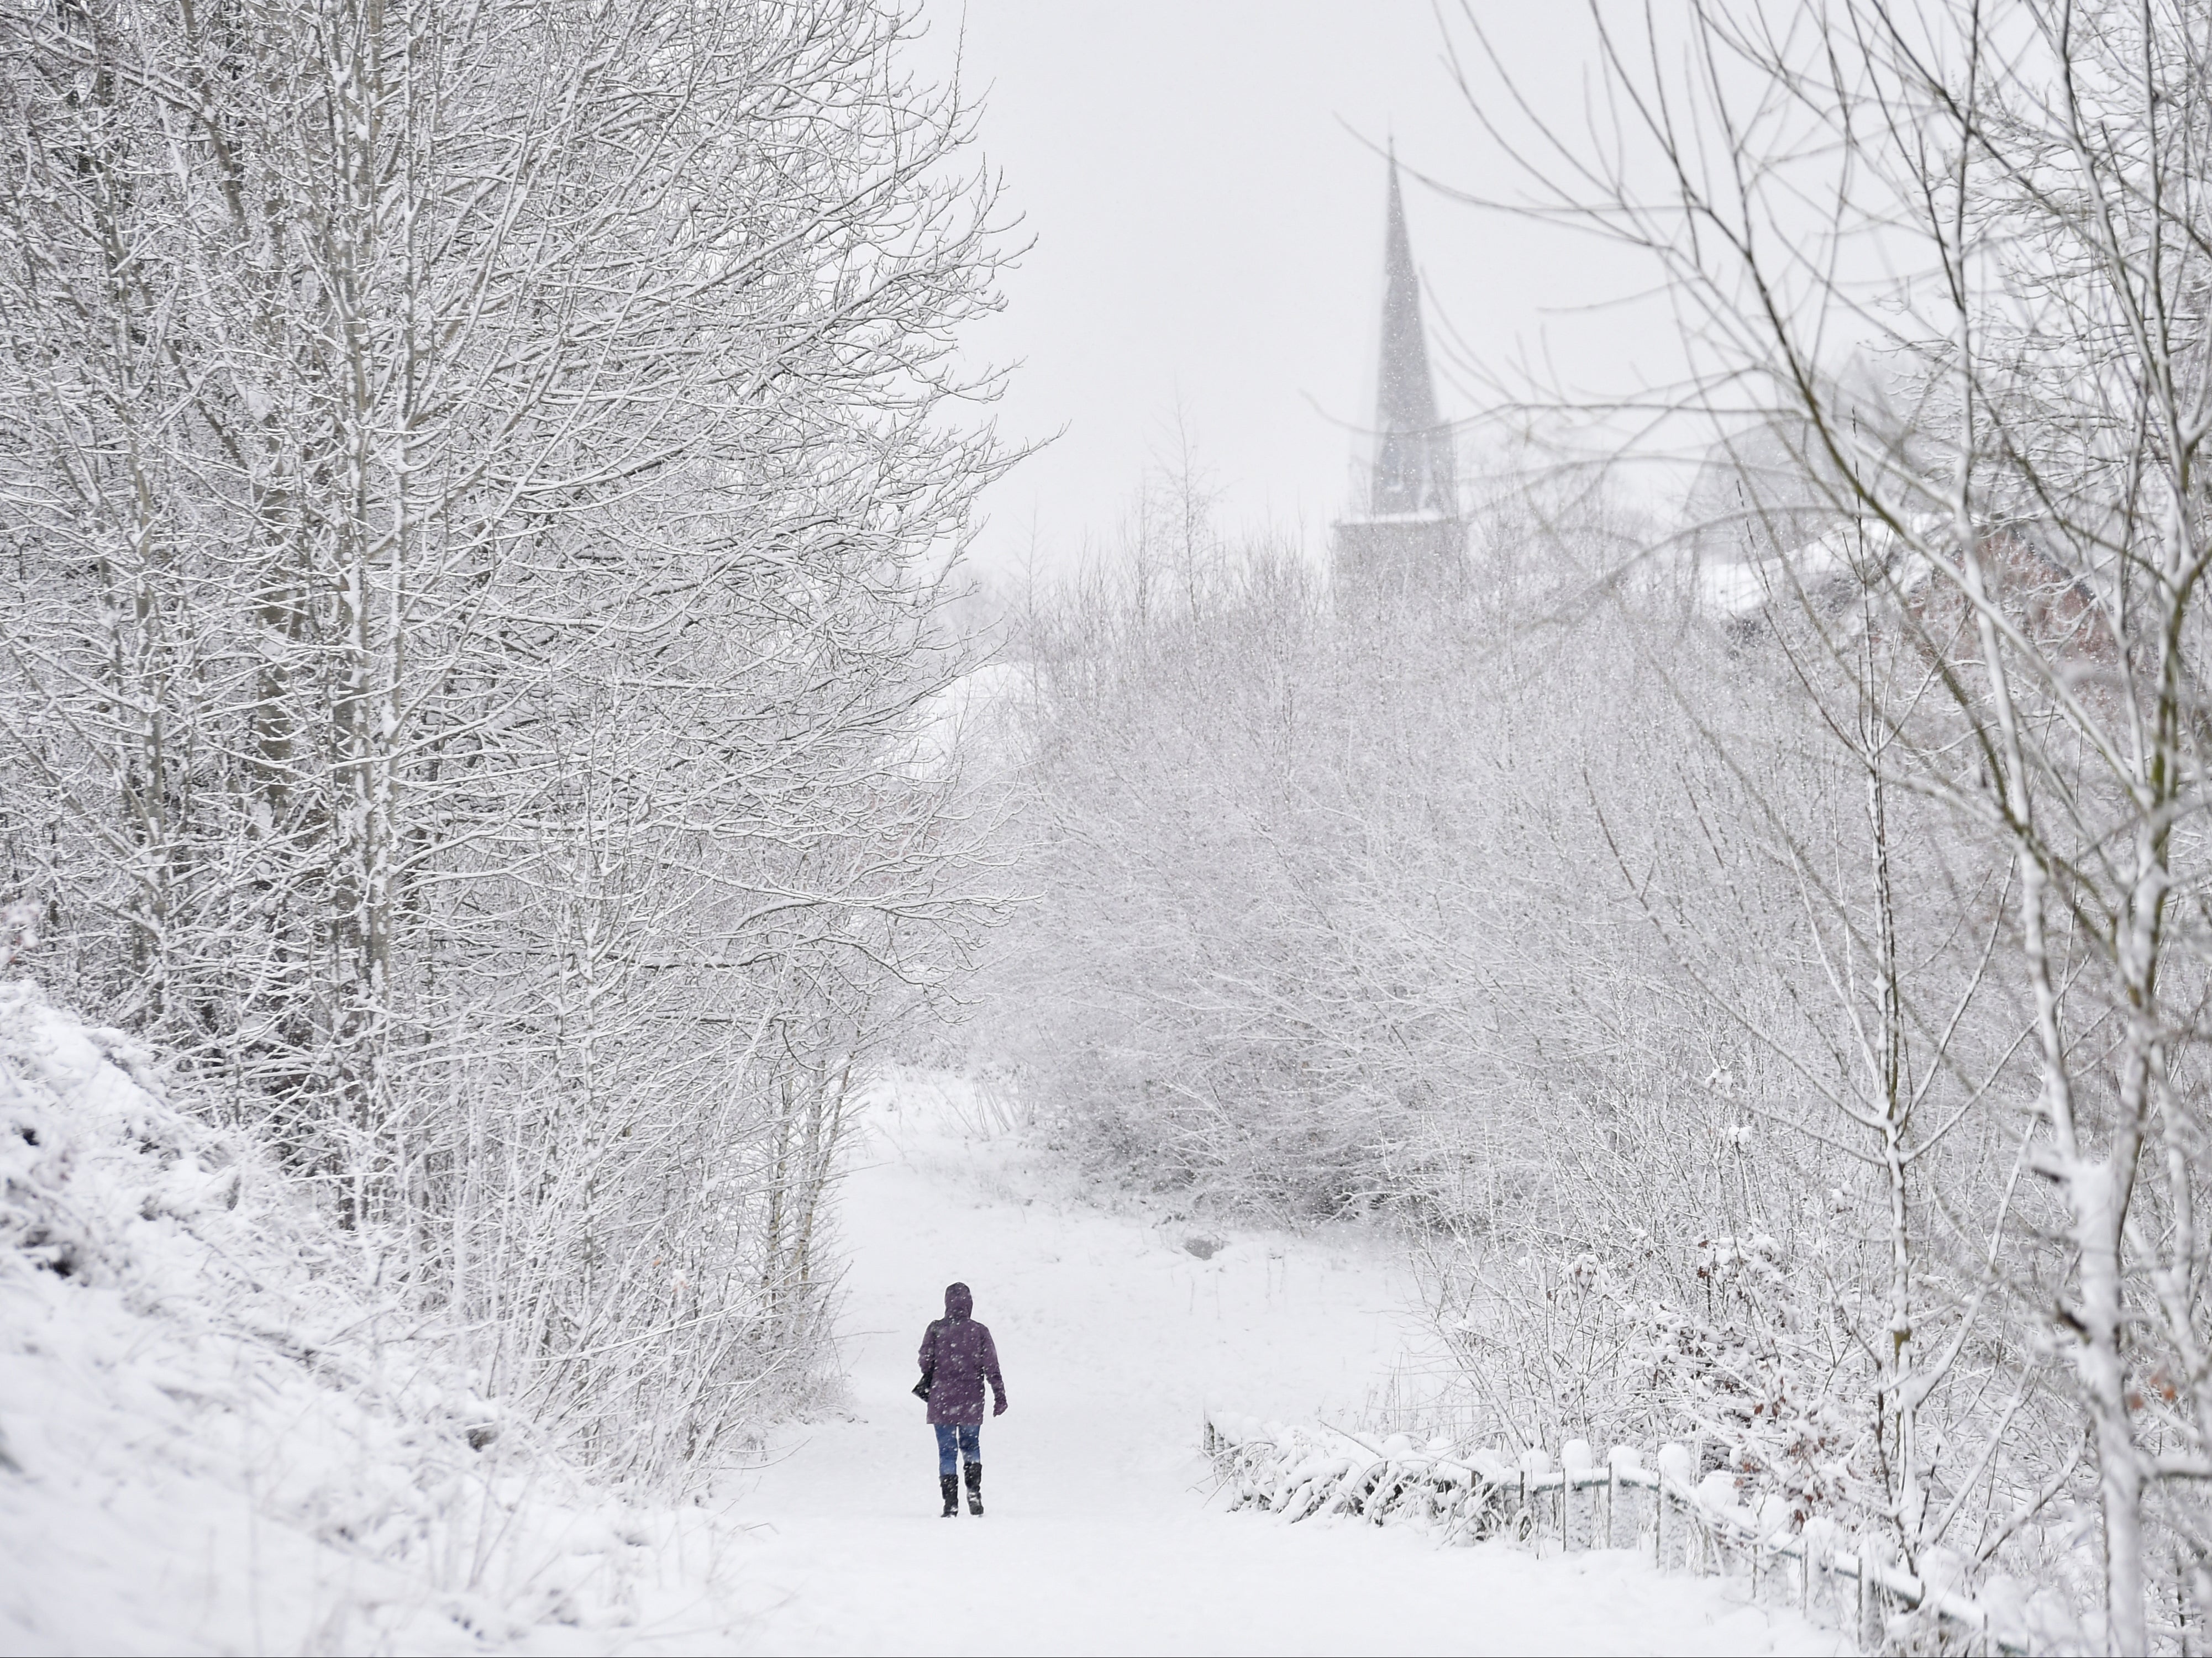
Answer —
(477, 493)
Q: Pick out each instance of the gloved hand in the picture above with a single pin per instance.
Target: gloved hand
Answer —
(1000, 1409)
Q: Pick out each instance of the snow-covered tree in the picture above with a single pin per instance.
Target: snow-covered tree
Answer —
(476, 482)
(2007, 211)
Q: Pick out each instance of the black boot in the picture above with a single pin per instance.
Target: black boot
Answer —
(974, 1488)
(951, 1488)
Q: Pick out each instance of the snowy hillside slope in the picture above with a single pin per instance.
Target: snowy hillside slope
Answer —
(218, 1435)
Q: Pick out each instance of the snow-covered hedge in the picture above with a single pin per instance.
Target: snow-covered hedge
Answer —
(1297, 1471)
(215, 1429)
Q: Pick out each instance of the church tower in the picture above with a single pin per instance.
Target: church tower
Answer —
(1406, 535)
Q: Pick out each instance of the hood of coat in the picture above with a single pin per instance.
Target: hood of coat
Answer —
(959, 1300)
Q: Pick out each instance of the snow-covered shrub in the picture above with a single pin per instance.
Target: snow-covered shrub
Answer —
(1744, 1368)
(1275, 845)
(218, 1421)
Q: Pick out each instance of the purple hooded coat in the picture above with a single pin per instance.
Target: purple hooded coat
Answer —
(958, 1356)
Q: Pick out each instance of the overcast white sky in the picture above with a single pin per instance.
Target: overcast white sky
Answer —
(1208, 228)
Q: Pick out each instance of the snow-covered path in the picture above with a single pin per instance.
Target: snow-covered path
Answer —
(1098, 1538)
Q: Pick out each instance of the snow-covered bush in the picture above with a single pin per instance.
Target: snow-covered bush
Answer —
(1756, 1374)
(219, 1421)
(1278, 901)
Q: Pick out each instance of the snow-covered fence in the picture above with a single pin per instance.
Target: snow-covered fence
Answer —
(1846, 1582)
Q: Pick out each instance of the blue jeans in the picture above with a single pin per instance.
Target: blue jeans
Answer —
(966, 1435)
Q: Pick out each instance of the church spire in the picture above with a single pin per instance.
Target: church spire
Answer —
(1412, 450)
(1406, 538)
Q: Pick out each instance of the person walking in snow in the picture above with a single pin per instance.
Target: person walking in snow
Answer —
(957, 1357)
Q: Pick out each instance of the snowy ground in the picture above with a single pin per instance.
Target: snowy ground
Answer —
(215, 1437)
(1099, 1537)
